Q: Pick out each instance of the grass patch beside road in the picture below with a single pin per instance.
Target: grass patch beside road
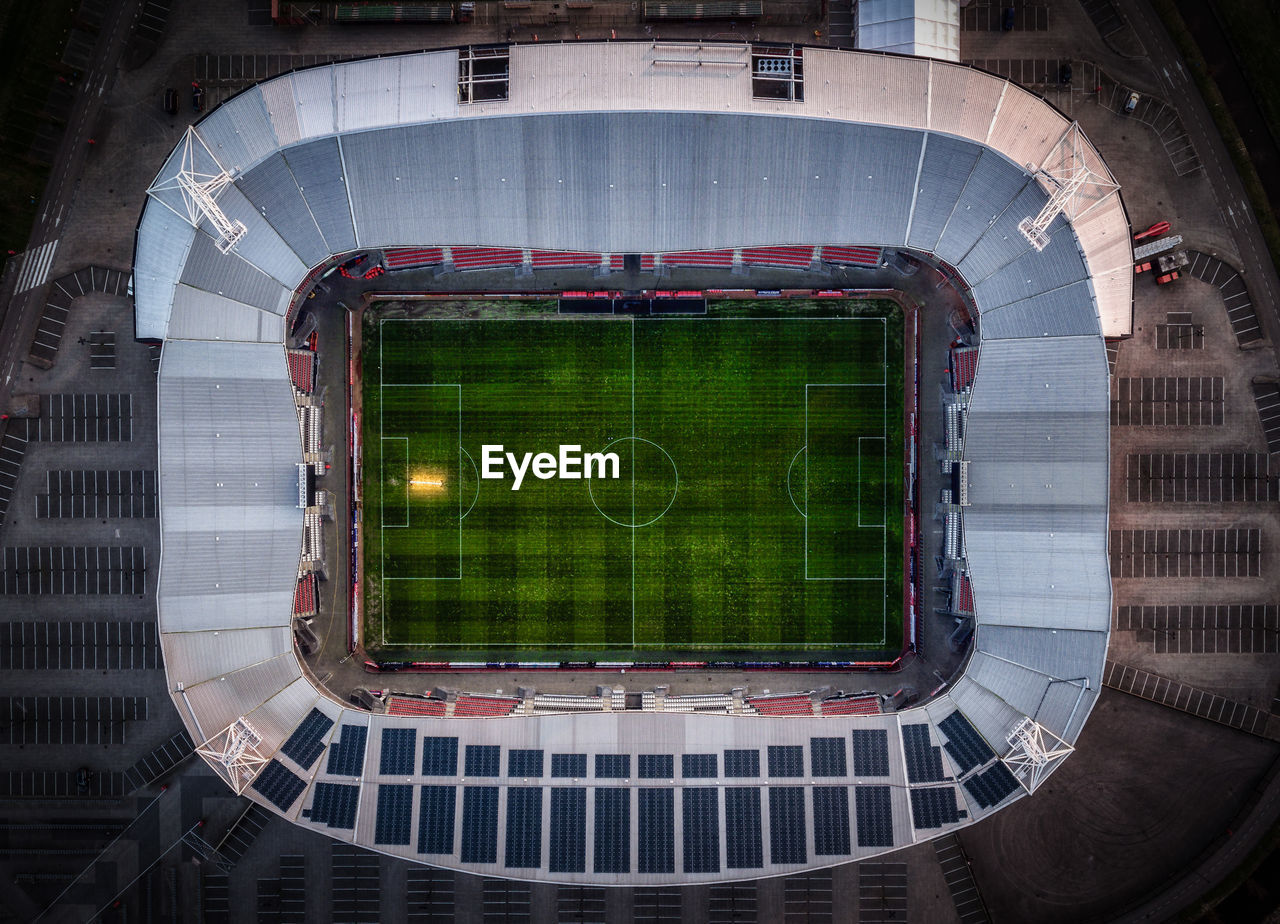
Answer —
(32, 36)
(1221, 115)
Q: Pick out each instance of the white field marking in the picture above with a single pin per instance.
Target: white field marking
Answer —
(883, 496)
(884, 551)
(884, 322)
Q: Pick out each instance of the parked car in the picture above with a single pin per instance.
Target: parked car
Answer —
(197, 97)
(1064, 72)
(1006, 19)
(1132, 102)
(171, 101)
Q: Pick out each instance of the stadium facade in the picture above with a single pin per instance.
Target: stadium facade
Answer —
(634, 148)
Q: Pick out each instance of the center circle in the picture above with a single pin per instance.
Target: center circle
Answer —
(645, 487)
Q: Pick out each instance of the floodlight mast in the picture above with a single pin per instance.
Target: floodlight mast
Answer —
(1036, 751)
(199, 187)
(234, 754)
(1066, 174)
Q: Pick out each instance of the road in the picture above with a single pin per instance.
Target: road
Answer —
(22, 311)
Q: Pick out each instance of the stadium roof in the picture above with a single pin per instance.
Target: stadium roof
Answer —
(629, 148)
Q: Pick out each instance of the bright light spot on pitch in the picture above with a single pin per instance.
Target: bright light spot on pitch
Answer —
(432, 482)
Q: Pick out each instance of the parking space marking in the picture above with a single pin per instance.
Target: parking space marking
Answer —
(1168, 401)
(74, 570)
(1184, 698)
(97, 494)
(1205, 478)
(1229, 628)
(1183, 553)
(68, 719)
(89, 646)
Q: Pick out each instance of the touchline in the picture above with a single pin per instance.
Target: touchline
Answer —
(569, 464)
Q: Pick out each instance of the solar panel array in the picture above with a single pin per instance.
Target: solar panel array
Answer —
(435, 819)
(524, 762)
(657, 831)
(567, 830)
(827, 757)
(964, 744)
(483, 760)
(279, 785)
(990, 787)
(699, 766)
(346, 755)
(613, 766)
(742, 828)
(934, 806)
(307, 740)
(924, 761)
(870, 752)
(524, 827)
(335, 804)
(831, 821)
(397, 751)
(739, 762)
(873, 809)
(787, 831)
(613, 830)
(439, 756)
(656, 766)
(395, 814)
(786, 760)
(570, 765)
(479, 824)
(701, 829)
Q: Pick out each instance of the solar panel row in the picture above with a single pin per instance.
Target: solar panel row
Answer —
(279, 785)
(435, 819)
(924, 761)
(787, 832)
(483, 760)
(870, 752)
(567, 834)
(439, 756)
(934, 806)
(570, 765)
(307, 741)
(335, 804)
(656, 766)
(699, 766)
(395, 814)
(524, 762)
(786, 760)
(873, 808)
(741, 763)
(742, 828)
(346, 755)
(657, 831)
(964, 744)
(479, 824)
(397, 751)
(613, 830)
(524, 827)
(701, 807)
(990, 787)
(831, 821)
(613, 766)
(827, 757)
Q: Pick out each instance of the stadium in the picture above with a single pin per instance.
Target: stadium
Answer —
(611, 153)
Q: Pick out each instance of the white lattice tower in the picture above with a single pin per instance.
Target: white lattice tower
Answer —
(1036, 751)
(1068, 174)
(234, 753)
(197, 183)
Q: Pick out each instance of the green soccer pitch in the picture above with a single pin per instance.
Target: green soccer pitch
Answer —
(757, 511)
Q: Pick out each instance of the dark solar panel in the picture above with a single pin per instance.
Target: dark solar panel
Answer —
(787, 832)
(656, 766)
(568, 831)
(831, 821)
(924, 761)
(786, 760)
(306, 742)
(873, 810)
(694, 766)
(571, 765)
(524, 827)
(934, 806)
(397, 751)
(991, 786)
(740, 763)
(482, 760)
(439, 756)
(335, 804)
(479, 824)
(870, 752)
(435, 819)
(613, 766)
(524, 763)
(826, 757)
(964, 744)
(613, 830)
(657, 831)
(279, 785)
(742, 839)
(701, 829)
(346, 755)
(395, 814)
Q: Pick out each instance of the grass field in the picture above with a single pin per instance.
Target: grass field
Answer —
(756, 512)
